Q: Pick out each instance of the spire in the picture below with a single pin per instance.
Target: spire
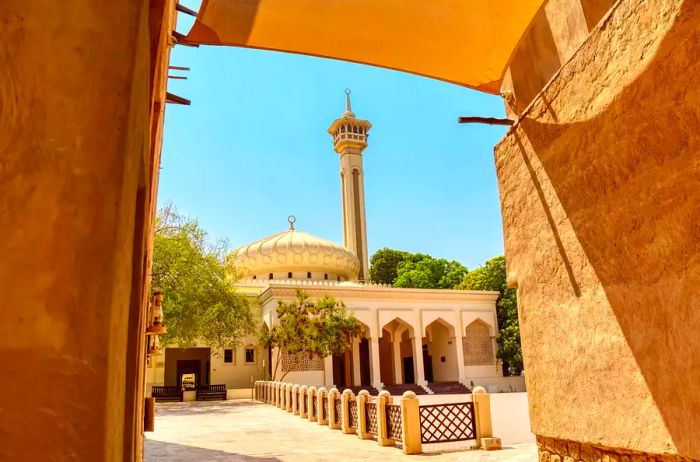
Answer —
(291, 219)
(348, 107)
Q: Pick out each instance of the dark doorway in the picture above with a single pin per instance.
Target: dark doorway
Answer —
(339, 377)
(189, 366)
(408, 376)
(427, 364)
(365, 378)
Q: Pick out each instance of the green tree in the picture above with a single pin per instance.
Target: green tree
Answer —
(383, 266)
(492, 276)
(305, 327)
(199, 299)
(425, 272)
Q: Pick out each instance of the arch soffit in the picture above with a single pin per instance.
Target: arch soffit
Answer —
(397, 326)
(480, 322)
(441, 321)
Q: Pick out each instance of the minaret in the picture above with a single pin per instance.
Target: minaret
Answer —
(349, 140)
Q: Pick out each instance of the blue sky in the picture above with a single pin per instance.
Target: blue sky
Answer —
(253, 148)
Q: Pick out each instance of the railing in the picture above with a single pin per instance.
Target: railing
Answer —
(408, 422)
(393, 421)
(372, 423)
(352, 422)
(441, 423)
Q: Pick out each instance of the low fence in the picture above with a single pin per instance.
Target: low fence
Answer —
(380, 419)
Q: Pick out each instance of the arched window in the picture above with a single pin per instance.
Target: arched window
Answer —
(289, 275)
(254, 278)
(477, 344)
(325, 276)
(354, 129)
(308, 275)
(270, 276)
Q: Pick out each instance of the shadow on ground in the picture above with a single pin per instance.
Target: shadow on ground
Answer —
(156, 451)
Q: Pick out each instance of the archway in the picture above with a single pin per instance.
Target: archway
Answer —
(440, 358)
(396, 353)
(352, 367)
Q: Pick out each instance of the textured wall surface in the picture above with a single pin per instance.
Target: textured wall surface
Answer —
(600, 193)
(74, 112)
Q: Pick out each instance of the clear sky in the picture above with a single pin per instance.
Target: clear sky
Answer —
(253, 148)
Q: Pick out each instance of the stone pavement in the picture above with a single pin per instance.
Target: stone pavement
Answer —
(247, 431)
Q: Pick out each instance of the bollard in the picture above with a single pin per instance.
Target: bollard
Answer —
(288, 397)
(345, 411)
(410, 424)
(295, 399)
(302, 402)
(278, 394)
(383, 400)
(362, 399)
(283, 394)
(333, 419)
(311, 398)
(321, 415)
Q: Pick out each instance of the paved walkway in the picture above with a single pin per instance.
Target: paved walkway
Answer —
(246, 431)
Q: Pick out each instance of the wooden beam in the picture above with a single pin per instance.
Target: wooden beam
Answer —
(179, 68)
(485, 120)
(174, 99)
(184, 9)
(178, 77)
(180, 39)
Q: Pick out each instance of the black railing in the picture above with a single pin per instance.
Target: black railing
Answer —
(393, 422)
(371, 415)
(442, 423)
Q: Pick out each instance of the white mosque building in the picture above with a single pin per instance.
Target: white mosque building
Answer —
(428, 340)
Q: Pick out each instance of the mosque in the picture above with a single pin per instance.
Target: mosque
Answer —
(426, 340)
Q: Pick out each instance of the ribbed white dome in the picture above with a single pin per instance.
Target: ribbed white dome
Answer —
(295, 251)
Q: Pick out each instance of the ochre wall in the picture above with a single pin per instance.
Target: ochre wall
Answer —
(600, 192)
(76, 171)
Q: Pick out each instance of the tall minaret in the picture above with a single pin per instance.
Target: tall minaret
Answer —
(349, 140)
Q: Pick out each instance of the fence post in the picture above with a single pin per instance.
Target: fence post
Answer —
(295, 399)
(288, 397)
(410, 424)
(482, 420)
(321, 415)
(302, 402)
(345, 411)
(362, 399)
(333, 420)
(266, 390)
(280, 394)
(311, 398)
(383, 400)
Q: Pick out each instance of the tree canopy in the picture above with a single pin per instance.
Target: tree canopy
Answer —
(199, 299)
(318, 328)
(405, 269)
(492, 276)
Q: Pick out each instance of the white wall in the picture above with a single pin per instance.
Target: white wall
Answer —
(511, 420)
(499, 384)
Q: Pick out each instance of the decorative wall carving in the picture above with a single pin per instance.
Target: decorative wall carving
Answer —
(301, 362)
(477, 344)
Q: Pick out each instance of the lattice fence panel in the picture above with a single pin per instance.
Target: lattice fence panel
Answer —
(441, 423)
(352, 404)
(325, 407)
(393, 422)
(372, 423)
(338, 410)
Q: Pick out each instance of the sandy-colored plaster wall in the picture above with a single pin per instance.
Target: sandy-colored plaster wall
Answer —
(74, 111)
(601, 213)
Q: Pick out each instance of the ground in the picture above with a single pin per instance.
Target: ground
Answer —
(242, 430)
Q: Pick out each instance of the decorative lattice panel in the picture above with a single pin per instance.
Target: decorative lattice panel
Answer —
(477, 344)
(325, 408)
(314, 407)
(301, 362)
(372, 423)
(338, 411)
(393, 422)
(441, 423)
(352, 404)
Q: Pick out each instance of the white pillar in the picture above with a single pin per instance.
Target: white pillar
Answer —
(396, 350)
(328, 372)
(459, 346)
(374, 356)
(418, 360)
(356, 378)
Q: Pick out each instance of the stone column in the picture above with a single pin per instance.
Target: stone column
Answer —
(288, 395)
(375, 369)
(418, 360)
(459, 346)
(345, 417)
(410, 424)
(482, 417)
(383, 400)
(321, 416)
(302, 402)
(328, 372)
(295, 399)
(396, 356)
(310, 406)
(362, 399)
(356, 377)
(333, 420)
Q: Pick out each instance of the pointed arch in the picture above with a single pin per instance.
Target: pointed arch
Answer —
(478, 344)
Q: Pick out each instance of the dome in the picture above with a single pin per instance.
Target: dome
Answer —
(295, 251)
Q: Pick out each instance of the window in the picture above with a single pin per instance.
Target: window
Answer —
(254, 278)
(249, 355)
(289, 275)
(338, 278)
(228, 355)
(325, 276)
(308, 275)
(270, 276)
